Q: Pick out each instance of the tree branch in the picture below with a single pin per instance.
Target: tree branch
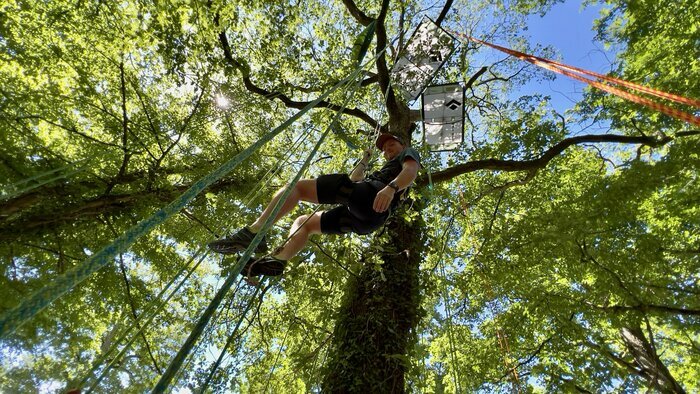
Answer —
(239, 64)
(529, 359)
(614, 358)
(474, 77)
(69, 129)
(56, 252)
(646, 308)
(133, 311)
(542, 161)
(88, 208)
(125, 132)
(332, 258)
(443, 13)
(587, 255)
(357, 13)
(192, 217)
(382, 68)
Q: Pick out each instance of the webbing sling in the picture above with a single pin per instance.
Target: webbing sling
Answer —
(573, 72)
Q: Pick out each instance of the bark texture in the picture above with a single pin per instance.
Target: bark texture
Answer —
(374, 337)
(648, 362)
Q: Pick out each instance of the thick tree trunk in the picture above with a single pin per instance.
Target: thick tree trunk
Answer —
(651, 367)
(375, 331)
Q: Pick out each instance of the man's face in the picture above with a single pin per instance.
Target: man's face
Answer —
(391, 148)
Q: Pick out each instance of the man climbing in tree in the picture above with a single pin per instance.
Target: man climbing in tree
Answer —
(366, 202)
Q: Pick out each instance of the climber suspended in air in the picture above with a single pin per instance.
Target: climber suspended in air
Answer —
(366, 202)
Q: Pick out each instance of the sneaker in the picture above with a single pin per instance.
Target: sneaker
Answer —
(267, 265)
(236, 242)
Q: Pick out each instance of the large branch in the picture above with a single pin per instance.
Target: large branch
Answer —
(645, 356)
(399, 113)
(286, 100)
(647, 308)
(443, 14)
(125, 131)
(16, 227)
(542, 161)
(382, 68)
(357, 13)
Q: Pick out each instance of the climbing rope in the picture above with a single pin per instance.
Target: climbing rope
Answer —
(177, 361)
(255, 192)
(157, 307)
(448, 309)
(156, 303)
(35, 303)
(576, 73)
(209, 333)
(232, 336)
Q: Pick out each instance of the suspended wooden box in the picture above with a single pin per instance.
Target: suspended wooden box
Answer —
(443, 116)
(426, 51)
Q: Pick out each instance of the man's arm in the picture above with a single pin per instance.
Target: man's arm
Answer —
(407, 175)
(358, 173)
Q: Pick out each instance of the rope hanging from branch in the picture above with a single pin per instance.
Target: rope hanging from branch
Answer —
(580, 75)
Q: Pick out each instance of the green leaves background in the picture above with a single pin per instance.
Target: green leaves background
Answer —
(112, 106)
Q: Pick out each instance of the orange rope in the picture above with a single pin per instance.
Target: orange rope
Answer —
(571, 71)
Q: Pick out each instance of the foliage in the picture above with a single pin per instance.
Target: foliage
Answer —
(515, 280)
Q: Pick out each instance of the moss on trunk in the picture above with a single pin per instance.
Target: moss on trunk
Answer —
(374, 334)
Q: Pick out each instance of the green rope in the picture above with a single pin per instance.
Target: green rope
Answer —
(177, 361)
(179, 358)
(448, 311)
(255, 192)
(208, 333)
(147, 322)
(156, 304)
(231, 337)
(31, 306)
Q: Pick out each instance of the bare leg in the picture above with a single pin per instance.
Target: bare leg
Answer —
(304, 190)
(299, 233)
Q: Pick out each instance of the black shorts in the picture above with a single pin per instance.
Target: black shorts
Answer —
(356, 214)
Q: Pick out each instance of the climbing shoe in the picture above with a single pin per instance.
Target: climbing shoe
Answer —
(236, 242)
(267, 265)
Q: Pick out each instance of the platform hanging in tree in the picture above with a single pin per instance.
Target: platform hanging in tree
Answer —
(426, 51)
(443, 116)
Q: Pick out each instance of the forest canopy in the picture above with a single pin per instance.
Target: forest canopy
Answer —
(552, 251)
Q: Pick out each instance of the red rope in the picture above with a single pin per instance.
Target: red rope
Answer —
(571, 71)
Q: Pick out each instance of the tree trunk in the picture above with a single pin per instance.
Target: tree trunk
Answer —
(652, 368)
(374, 333)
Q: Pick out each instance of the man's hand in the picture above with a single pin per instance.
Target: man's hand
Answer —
(367, 155)
(383, 199)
